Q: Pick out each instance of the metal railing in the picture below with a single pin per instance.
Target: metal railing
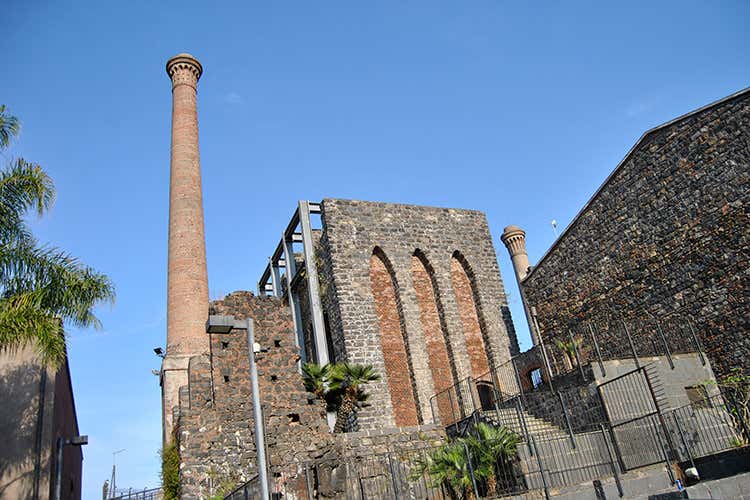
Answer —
(454, 470)
(144, 494)
(539, 459)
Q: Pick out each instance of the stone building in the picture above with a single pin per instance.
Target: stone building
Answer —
(666, 236)
(413, 291)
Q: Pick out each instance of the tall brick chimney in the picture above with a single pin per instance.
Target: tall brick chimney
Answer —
(187, 282)
(514, 239)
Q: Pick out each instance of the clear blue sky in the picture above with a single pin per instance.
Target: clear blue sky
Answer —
(515, 110)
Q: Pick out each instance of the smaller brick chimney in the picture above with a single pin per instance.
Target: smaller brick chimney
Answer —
(514, 239)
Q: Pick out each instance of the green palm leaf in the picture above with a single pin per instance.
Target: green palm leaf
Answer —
(41, 288)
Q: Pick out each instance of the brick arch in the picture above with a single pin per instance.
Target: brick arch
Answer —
(470, 311)
(393, 340)
(440, 354)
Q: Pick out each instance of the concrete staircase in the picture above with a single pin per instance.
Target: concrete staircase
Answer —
(563, 460)
(511, 418)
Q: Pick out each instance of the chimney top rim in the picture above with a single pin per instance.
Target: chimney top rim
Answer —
(184, 57)
(513, 229)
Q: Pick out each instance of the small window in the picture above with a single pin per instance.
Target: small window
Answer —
(224, 344)
(698, 396)
(274, 378)
(226, 378)
(277, 343)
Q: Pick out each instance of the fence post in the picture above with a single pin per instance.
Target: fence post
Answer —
(544, 351)
(682, 438)
(567, 419)
(450, 401)
(393, 476)
(541, 467)
(518, 377)
(611, 461)
(471, 471)
(630, 341)
(666, 344)
(696, 341)
(598, 352)
(659, 413)
(664, 452)
(472, 385)
(575, 352)
(522, 423)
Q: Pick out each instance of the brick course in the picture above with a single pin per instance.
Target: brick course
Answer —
(467, 310)
(441, 363)
(395, 351)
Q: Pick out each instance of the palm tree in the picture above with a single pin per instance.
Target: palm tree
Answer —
(315, 378)
(348, 380)
(491, 448)
(448, 466)
(41, 288)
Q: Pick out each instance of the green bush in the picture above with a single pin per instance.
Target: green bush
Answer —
(170, 471)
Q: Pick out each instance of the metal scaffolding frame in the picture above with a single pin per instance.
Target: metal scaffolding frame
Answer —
(283, 257)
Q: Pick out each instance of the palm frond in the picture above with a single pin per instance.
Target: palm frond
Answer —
(9, 127)
(22, 324)
(24, 186)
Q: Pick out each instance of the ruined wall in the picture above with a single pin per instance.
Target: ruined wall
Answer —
(668, 232)
(215, 430)
(352, 232)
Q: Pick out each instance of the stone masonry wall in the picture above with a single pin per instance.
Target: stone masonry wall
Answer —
(668, 232)
(215, 427)
(352, 231)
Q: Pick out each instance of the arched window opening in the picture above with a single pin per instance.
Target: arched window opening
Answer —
(393, 341)
(439, 352)
(464, 291)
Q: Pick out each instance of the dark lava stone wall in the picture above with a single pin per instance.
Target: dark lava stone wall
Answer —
(215, 427)
(668, 232)
(352, 231)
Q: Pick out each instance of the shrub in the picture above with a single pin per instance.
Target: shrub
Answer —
(170, 471)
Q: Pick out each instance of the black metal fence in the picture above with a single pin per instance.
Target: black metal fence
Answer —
(569, 430)
(607, 336)
(453, 471)
(540, 460)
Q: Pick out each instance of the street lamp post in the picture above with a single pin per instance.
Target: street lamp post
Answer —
(260, 444)
(61, 443)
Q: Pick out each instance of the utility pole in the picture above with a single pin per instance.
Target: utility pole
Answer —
(113, 480)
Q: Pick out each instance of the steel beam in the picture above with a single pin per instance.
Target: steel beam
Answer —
(275, 279)
(293, 300)
(313, 285)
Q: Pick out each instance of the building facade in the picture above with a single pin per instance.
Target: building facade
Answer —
(37, 408)
(666, 236)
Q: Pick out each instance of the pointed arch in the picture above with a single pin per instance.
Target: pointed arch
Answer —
(470, 311)
(393, 340)
(439, 352)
